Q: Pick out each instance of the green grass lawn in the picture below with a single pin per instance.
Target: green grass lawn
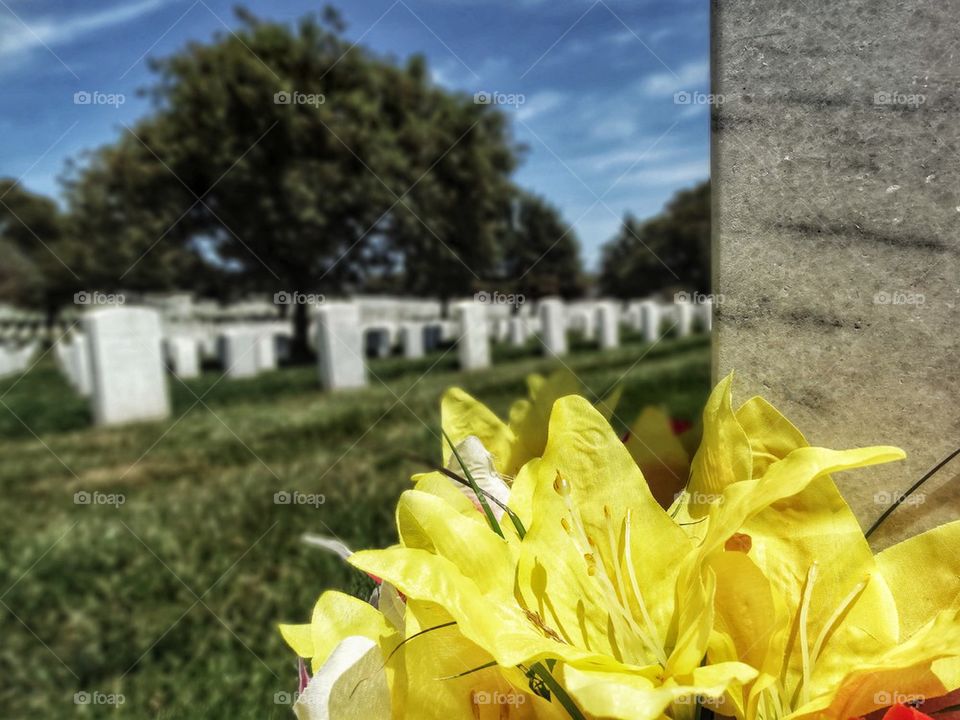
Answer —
(172, 598)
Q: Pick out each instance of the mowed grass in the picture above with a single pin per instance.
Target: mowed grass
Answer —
(172, 598)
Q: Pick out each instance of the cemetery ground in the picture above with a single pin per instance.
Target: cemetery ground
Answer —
(171, 599)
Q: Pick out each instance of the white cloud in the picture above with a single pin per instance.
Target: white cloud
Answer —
(18, 38)
(672, 173)
(690, 76)
(540, 103)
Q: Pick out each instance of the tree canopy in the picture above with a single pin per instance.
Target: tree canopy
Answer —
(669, 251)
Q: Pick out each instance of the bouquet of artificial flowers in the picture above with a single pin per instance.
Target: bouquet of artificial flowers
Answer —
(551, 569)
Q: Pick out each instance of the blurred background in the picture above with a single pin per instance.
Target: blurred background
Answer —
(212, 161)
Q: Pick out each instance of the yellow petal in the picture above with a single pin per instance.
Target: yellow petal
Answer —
(462, 415)
(724, 455)
(772, 437)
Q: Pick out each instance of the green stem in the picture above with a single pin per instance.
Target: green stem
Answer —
(551, 682)
(476, 488)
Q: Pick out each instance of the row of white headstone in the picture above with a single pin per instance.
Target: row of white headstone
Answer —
(121, 358)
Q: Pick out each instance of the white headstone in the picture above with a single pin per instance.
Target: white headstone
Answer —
(266, 349)
(683, 316)
(239, 352)
(473, 346)
(184, 354)
(411, 335)
(78, 360)
(553, 324)
(340, 360)
(126, 362)
(652, 320)
(518, 331)
(706, 315)
(608, 325)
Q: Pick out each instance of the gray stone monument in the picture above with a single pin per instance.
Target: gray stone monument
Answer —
(126, 362)
(340, 361)
(553, 326)
(835, 232)
(473, 347)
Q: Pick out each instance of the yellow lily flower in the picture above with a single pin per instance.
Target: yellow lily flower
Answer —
(832, 631)
(592, 584)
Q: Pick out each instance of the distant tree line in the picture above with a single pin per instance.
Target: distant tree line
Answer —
(288, 158)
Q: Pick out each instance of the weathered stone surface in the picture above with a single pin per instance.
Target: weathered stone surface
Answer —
(836, 180)
(126, 363)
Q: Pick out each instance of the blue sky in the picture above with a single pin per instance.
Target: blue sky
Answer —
(598, 80)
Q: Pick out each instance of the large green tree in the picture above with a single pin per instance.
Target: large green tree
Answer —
(669, 251)
(298, 161)
(40, 265)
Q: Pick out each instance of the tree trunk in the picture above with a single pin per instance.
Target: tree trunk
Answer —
(300, 353)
